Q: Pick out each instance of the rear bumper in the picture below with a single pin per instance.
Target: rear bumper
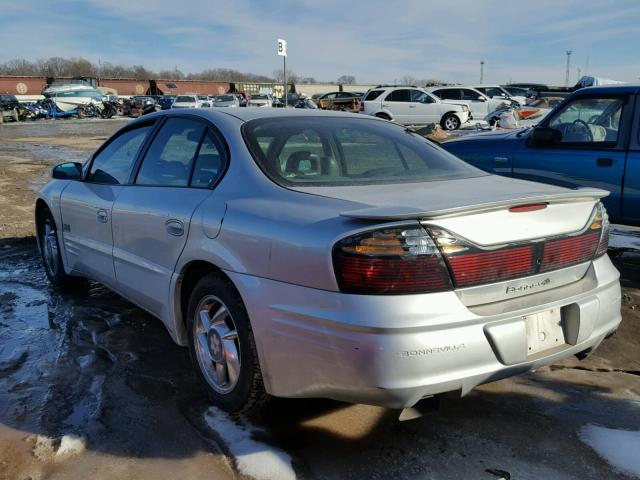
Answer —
(394, 350)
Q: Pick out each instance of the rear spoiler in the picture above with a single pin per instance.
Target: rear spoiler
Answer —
(411, 213)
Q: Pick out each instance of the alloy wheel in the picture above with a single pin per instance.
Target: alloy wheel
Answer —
(217, 346)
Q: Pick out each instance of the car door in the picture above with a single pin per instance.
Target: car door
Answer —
(591, 152)
(86, 206)
(478, 104)
(398, 102)
(151, 218)
(425, 109)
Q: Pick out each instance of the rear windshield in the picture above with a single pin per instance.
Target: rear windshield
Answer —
(225, 98)
(325, 151)
(185, 98)
(259, 97)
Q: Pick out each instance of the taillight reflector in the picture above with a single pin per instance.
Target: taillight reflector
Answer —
(569, 251)
(486, 267)
(360, 274)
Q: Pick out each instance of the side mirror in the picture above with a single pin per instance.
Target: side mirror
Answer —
(67, 171)
(544, 137)
(482, 99)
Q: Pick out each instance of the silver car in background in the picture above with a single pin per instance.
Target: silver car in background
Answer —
(190, 101)
(226, 100)
(260, 100)
(322, 254)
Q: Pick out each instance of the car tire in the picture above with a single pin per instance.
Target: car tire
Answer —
(222, 346)
(383, 116)
(52, 255)
(450, 122)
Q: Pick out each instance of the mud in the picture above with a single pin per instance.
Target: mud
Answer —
(92, 387)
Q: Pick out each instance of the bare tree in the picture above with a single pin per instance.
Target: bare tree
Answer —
(292, 77)
(346, 80)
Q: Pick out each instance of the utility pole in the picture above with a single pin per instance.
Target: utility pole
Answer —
(566, 76)
(481, 71)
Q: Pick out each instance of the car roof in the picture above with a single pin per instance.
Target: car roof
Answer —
(611, 89)
(247, 114)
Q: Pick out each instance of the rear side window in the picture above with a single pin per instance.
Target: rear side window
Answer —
(402, 95)
(209, 164)
(448, 94)
(373, 94)
(113, 165)
(169, 160)
(331, 151)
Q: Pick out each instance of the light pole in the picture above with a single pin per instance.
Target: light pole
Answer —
(481, 71)
(566, 75)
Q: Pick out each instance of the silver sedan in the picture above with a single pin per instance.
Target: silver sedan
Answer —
(319, 254)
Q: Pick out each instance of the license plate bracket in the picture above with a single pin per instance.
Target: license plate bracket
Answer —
(544, 331)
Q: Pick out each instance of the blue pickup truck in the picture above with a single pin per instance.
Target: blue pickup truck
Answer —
(591, 139)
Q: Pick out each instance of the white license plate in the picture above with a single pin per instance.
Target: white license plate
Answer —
(544, 331)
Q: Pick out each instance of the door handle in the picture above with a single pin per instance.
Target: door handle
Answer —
(102, 216)
(605, 162)
(412, 106)
(174, 227)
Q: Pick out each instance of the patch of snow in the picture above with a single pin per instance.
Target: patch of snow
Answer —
(71, 445)
(619, 448)
(253, 458)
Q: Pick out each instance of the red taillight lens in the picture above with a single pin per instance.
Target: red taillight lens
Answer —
(569, 251)
(390, 261)
(486, 267)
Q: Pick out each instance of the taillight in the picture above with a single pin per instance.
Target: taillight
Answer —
(472, 265)
(390, 261)
(603, 218)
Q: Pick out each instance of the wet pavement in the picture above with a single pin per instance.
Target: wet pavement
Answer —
(92, 387)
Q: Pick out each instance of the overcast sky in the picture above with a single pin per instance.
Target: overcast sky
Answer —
(374, 40)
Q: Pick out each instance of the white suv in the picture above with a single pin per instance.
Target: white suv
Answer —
(413, 106)
(479, 103)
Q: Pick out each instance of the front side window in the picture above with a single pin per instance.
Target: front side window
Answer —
(402, 95)
(589, 120)
(169, 159)
(113, 164)
(338, 151)
(492, 92)
(470, 94)
(418, 96)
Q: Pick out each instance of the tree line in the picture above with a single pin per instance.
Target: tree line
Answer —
(81, 67)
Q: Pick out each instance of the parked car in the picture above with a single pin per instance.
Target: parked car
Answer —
(243, 99)
(338, 100)
(517, 93)
(191, 100)
(226, 100)
(479, 104)
(590, 139)
(166, 101)
(499, 93)
(139, 105)
(413, 106)
(9, 107)
(316, 254)
(260, 100)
